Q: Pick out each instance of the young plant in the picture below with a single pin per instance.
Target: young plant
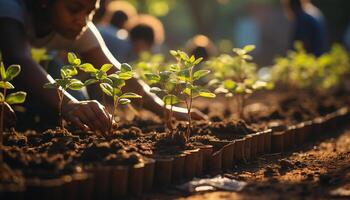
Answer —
(66, 82)
(184, 80)
(5, 98)
(112, 86)
(164, 83)
(300, 70)
(236, 77)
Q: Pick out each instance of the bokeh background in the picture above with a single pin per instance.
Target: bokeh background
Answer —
(235, 23)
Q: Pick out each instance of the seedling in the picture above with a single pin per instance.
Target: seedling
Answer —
(185, 77)
(235, 76)
(13, 98)
(66, 82)
(112, 85)
(165, 82)
(300, 70)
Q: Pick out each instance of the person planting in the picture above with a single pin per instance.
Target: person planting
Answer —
(62, 25)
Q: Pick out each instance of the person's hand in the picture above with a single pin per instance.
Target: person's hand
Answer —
(87, 115)
(195, 114)
(9, 116)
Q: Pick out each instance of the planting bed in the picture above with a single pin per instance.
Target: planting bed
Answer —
(140, 157)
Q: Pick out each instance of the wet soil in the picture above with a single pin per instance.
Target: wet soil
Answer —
(319, 170)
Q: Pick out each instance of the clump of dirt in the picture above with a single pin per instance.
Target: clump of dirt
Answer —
(10, 180)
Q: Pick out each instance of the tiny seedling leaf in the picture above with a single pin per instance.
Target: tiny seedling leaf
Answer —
(249, 48)
(73, 59)
(200, 73)
(118, 83)
(107, 89)
(88, 68)
(124, 101)
(16, 98)
(90, 82)
(155, 90)
(229, 84)
(125, 75)
(206, 94)
(12, 72)
(170, 99)
(130, 95)
(2, 71)
(106, 67)
(76, 85)
(154, 78)
(6, 85)
(125, 67)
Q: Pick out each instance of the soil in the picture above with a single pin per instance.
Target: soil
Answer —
(319, 170)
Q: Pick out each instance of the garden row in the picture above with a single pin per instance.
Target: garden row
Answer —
(141, 156)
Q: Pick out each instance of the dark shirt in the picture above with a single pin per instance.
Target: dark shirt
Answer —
(311, 32)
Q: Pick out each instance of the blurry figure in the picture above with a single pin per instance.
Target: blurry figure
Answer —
(146, 34)
(111, 19)
(118, 13)
(309, 27)
(201, 46)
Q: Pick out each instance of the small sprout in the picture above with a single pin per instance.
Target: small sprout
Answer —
(67, 82)
(112, 85)
(10, 99)
(185, 77)
(236, 77)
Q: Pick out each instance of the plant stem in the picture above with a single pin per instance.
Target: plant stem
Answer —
(115, 105)
(2, 127)
(60, 97)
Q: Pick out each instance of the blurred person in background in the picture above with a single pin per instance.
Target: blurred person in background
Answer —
(201, 46)
(307, 28)
(111, 19)
(146, 34)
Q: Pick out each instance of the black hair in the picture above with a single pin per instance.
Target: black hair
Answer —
(295, 5)
(119, 18)
(142, 32)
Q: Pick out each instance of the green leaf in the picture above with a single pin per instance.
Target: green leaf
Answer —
(206, 94)
(90, 82)
(62, 82)
(75, 84)
(154, 78)
(165, 75)
(200, 73)
(184, 75)
(73, 59)
(125, 75)
(155, 90)
(175, 68)
(16, 98)
(130, 95)
(2, 71)
(125, 67)
(117, 92)
(50, 86)
(249, 48)
(124, 101)
(6, 85)
(173, 53)
(69, 71)
(88, 68)
(229, 84)
(100, 75)
(240, 89)
(107, 89)
(2, 98)
(12, 72)
(118, 83)
(213, 82)
(170, 99)
(198, 61)
(106, 67)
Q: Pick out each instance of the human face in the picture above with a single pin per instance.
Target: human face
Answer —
(69, 17)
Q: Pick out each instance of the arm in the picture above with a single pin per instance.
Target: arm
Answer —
(101, 55)
(16, 50)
